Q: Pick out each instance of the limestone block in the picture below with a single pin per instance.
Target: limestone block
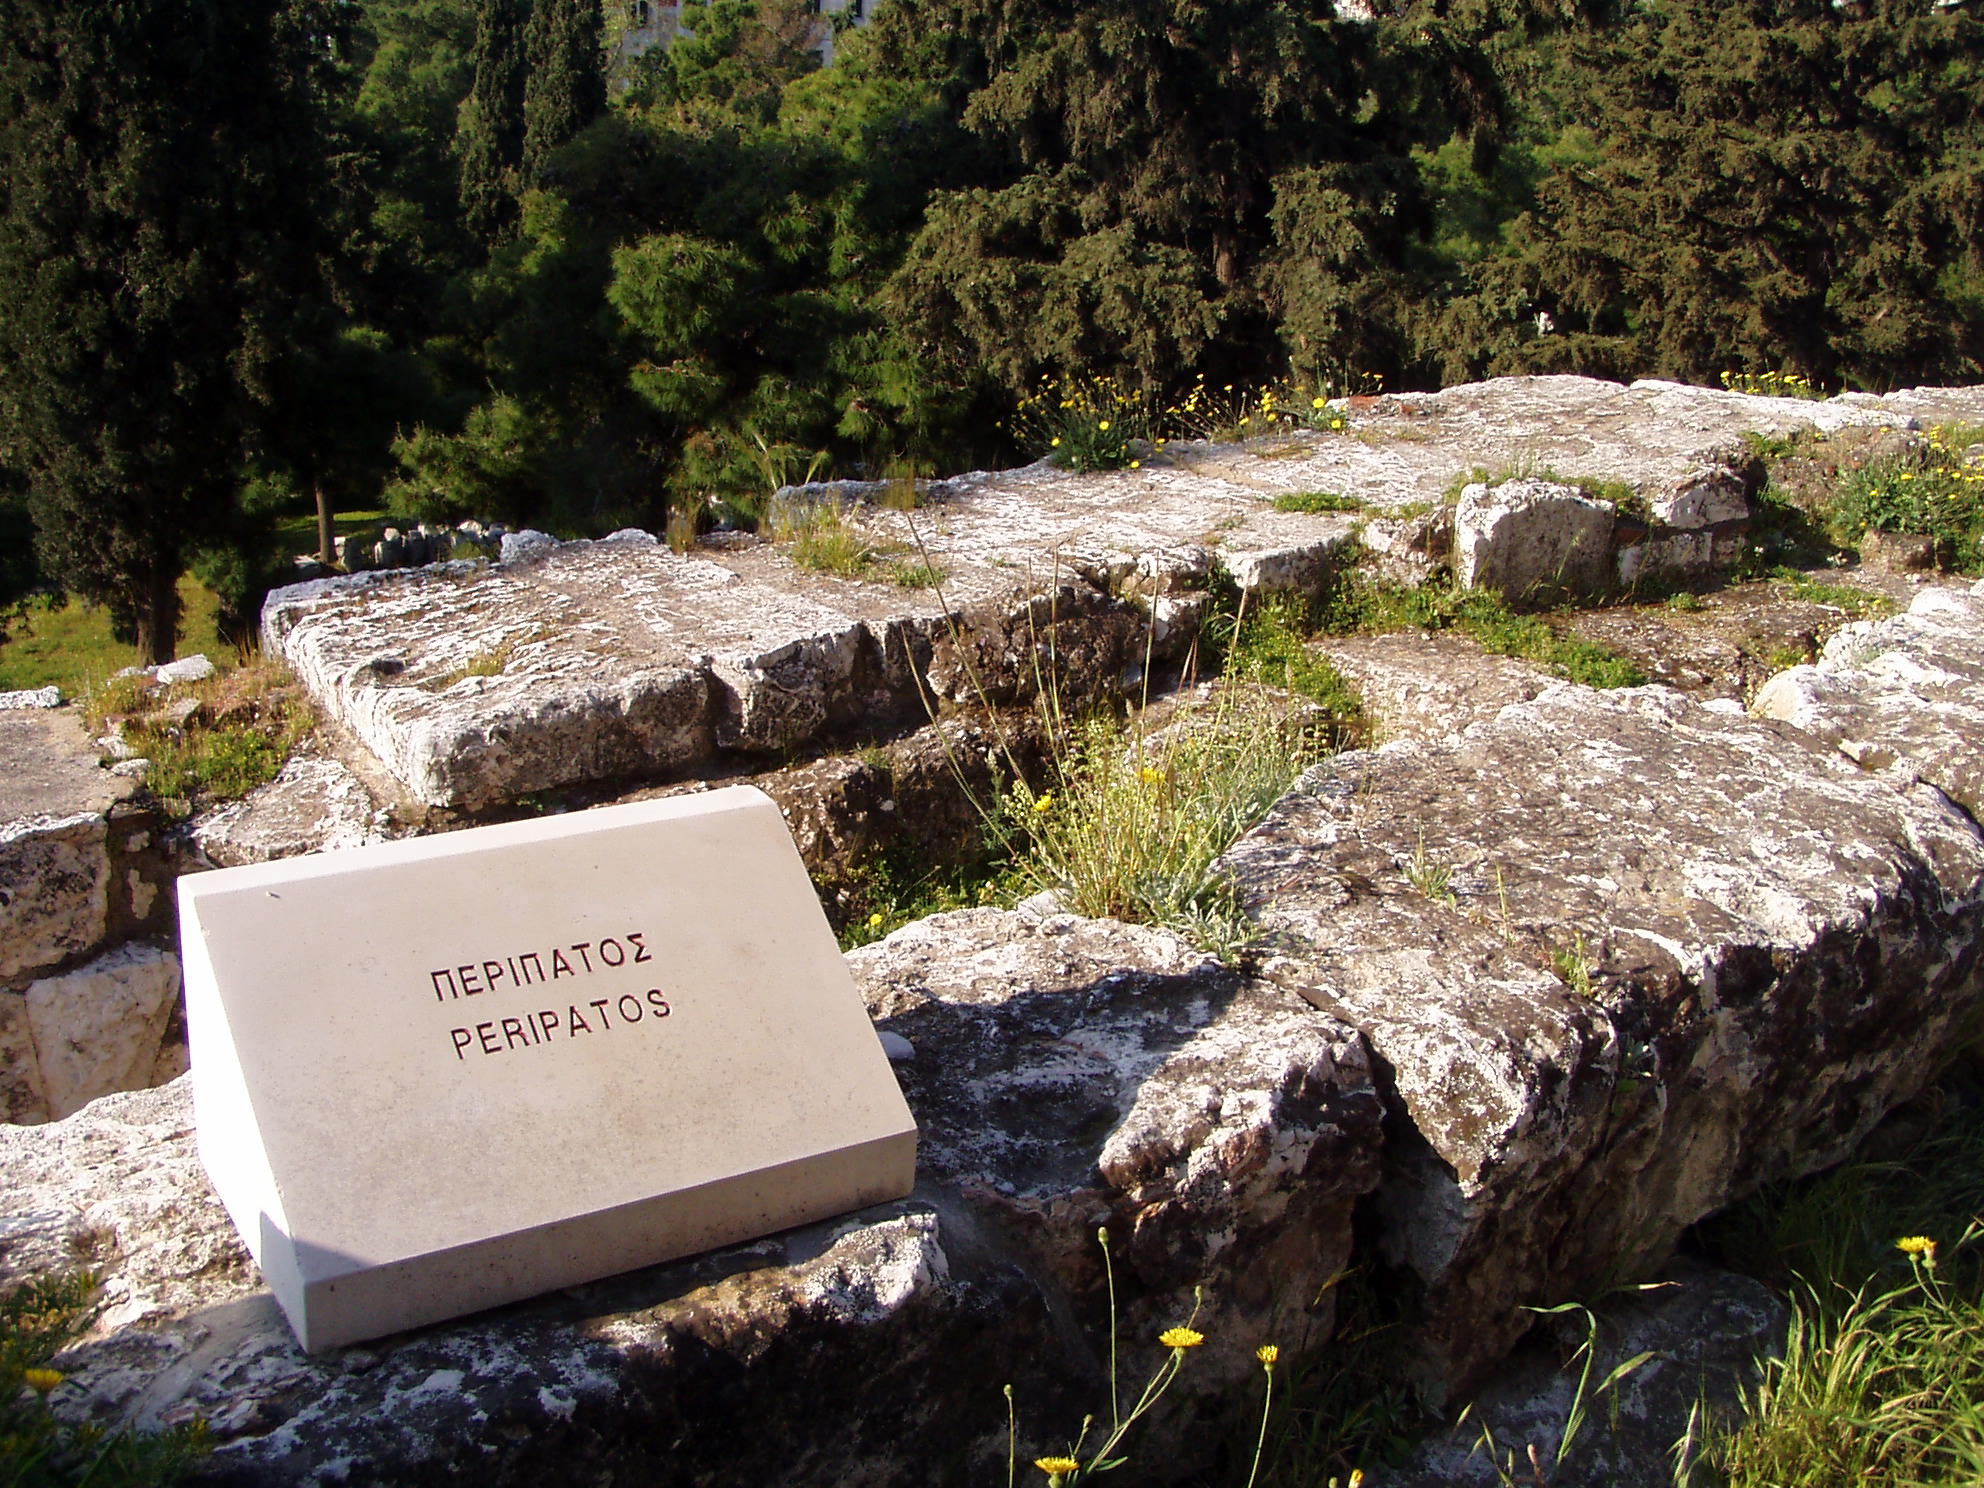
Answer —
(1074, 1073)
(32, 697)
(1532, 536)
(98, 1029)
(876, 1346)
(54, 890)
(314, 805)
(23, 1098)
(1902, 693)
(1626, 957)
(1416, 685)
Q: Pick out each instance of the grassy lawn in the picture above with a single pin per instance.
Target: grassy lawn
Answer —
(298, 534)
(71, 645)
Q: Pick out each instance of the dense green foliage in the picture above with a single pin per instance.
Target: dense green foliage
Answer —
(158, 245)
(515, 290)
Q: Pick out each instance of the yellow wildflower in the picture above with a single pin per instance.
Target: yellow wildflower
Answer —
(1057, 1468)
(874, 921)
(1103, 426)
(1917, 1245)
(1181, 1338)
(41, 1381)
(1269, 1355)
(1320, 403)
(1044, 803)
(1056, 443)
(1149, 776)
(1357, 1478)
(1136, 464)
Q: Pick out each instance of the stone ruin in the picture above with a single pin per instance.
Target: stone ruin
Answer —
(1768, 890)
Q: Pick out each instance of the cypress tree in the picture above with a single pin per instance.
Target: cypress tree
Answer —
(565, 89)
(489, 137)
(156, 233)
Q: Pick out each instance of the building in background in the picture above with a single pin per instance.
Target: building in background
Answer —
(651, 23)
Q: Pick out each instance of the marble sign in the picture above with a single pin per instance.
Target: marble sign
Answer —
(436, 1075)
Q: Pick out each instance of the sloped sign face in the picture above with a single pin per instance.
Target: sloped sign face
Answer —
(437, 1075)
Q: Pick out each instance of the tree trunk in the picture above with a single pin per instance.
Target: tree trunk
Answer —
(327, 548)
(157, 612)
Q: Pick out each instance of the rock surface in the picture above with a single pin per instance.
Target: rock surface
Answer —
(1065, 1074)
(1906, 692)
(584, 663)
(1620, 957)
(1072, 1073)
(316, 804)
(1421, 685)
(102, 1027)
(55, 879)
(1699, 1334)
(1533, 538)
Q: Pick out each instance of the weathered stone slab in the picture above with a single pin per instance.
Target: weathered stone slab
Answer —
(48, 767)
(861, 1338)
(1531, 538)
(1420, 685)
(1654, 954)
(1906, 692)
(100, 1028)
(316, 804)
(583, 663)
(660, 978)
(1070, 1074)
(54, 890)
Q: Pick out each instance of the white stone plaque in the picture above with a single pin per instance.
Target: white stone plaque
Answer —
(436, 1075)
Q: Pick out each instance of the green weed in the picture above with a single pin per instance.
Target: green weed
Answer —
(1133, 824)
(1433, 879)
(37, 1320)
(1361, 605)
(247, 722)
(1882, 1378)
(1317, 501)
(1934, 490)
(820, 537)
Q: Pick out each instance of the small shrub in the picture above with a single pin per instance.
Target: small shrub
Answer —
(248, 722)
(1935, 490)
(1132, 825)
(1085, 424)
(1774, 385)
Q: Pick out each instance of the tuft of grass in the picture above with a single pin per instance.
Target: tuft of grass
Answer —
(1433, 879)
(1317, 501)
(38, 1318)
(905, 575)
(1364, 606)
(1132, 825)
(1882, 1378)
(247, 722)
(492, 661)
(821, 538)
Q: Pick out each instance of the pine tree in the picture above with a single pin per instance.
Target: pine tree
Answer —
(565, 89)
(156, 232)
(489, 138)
